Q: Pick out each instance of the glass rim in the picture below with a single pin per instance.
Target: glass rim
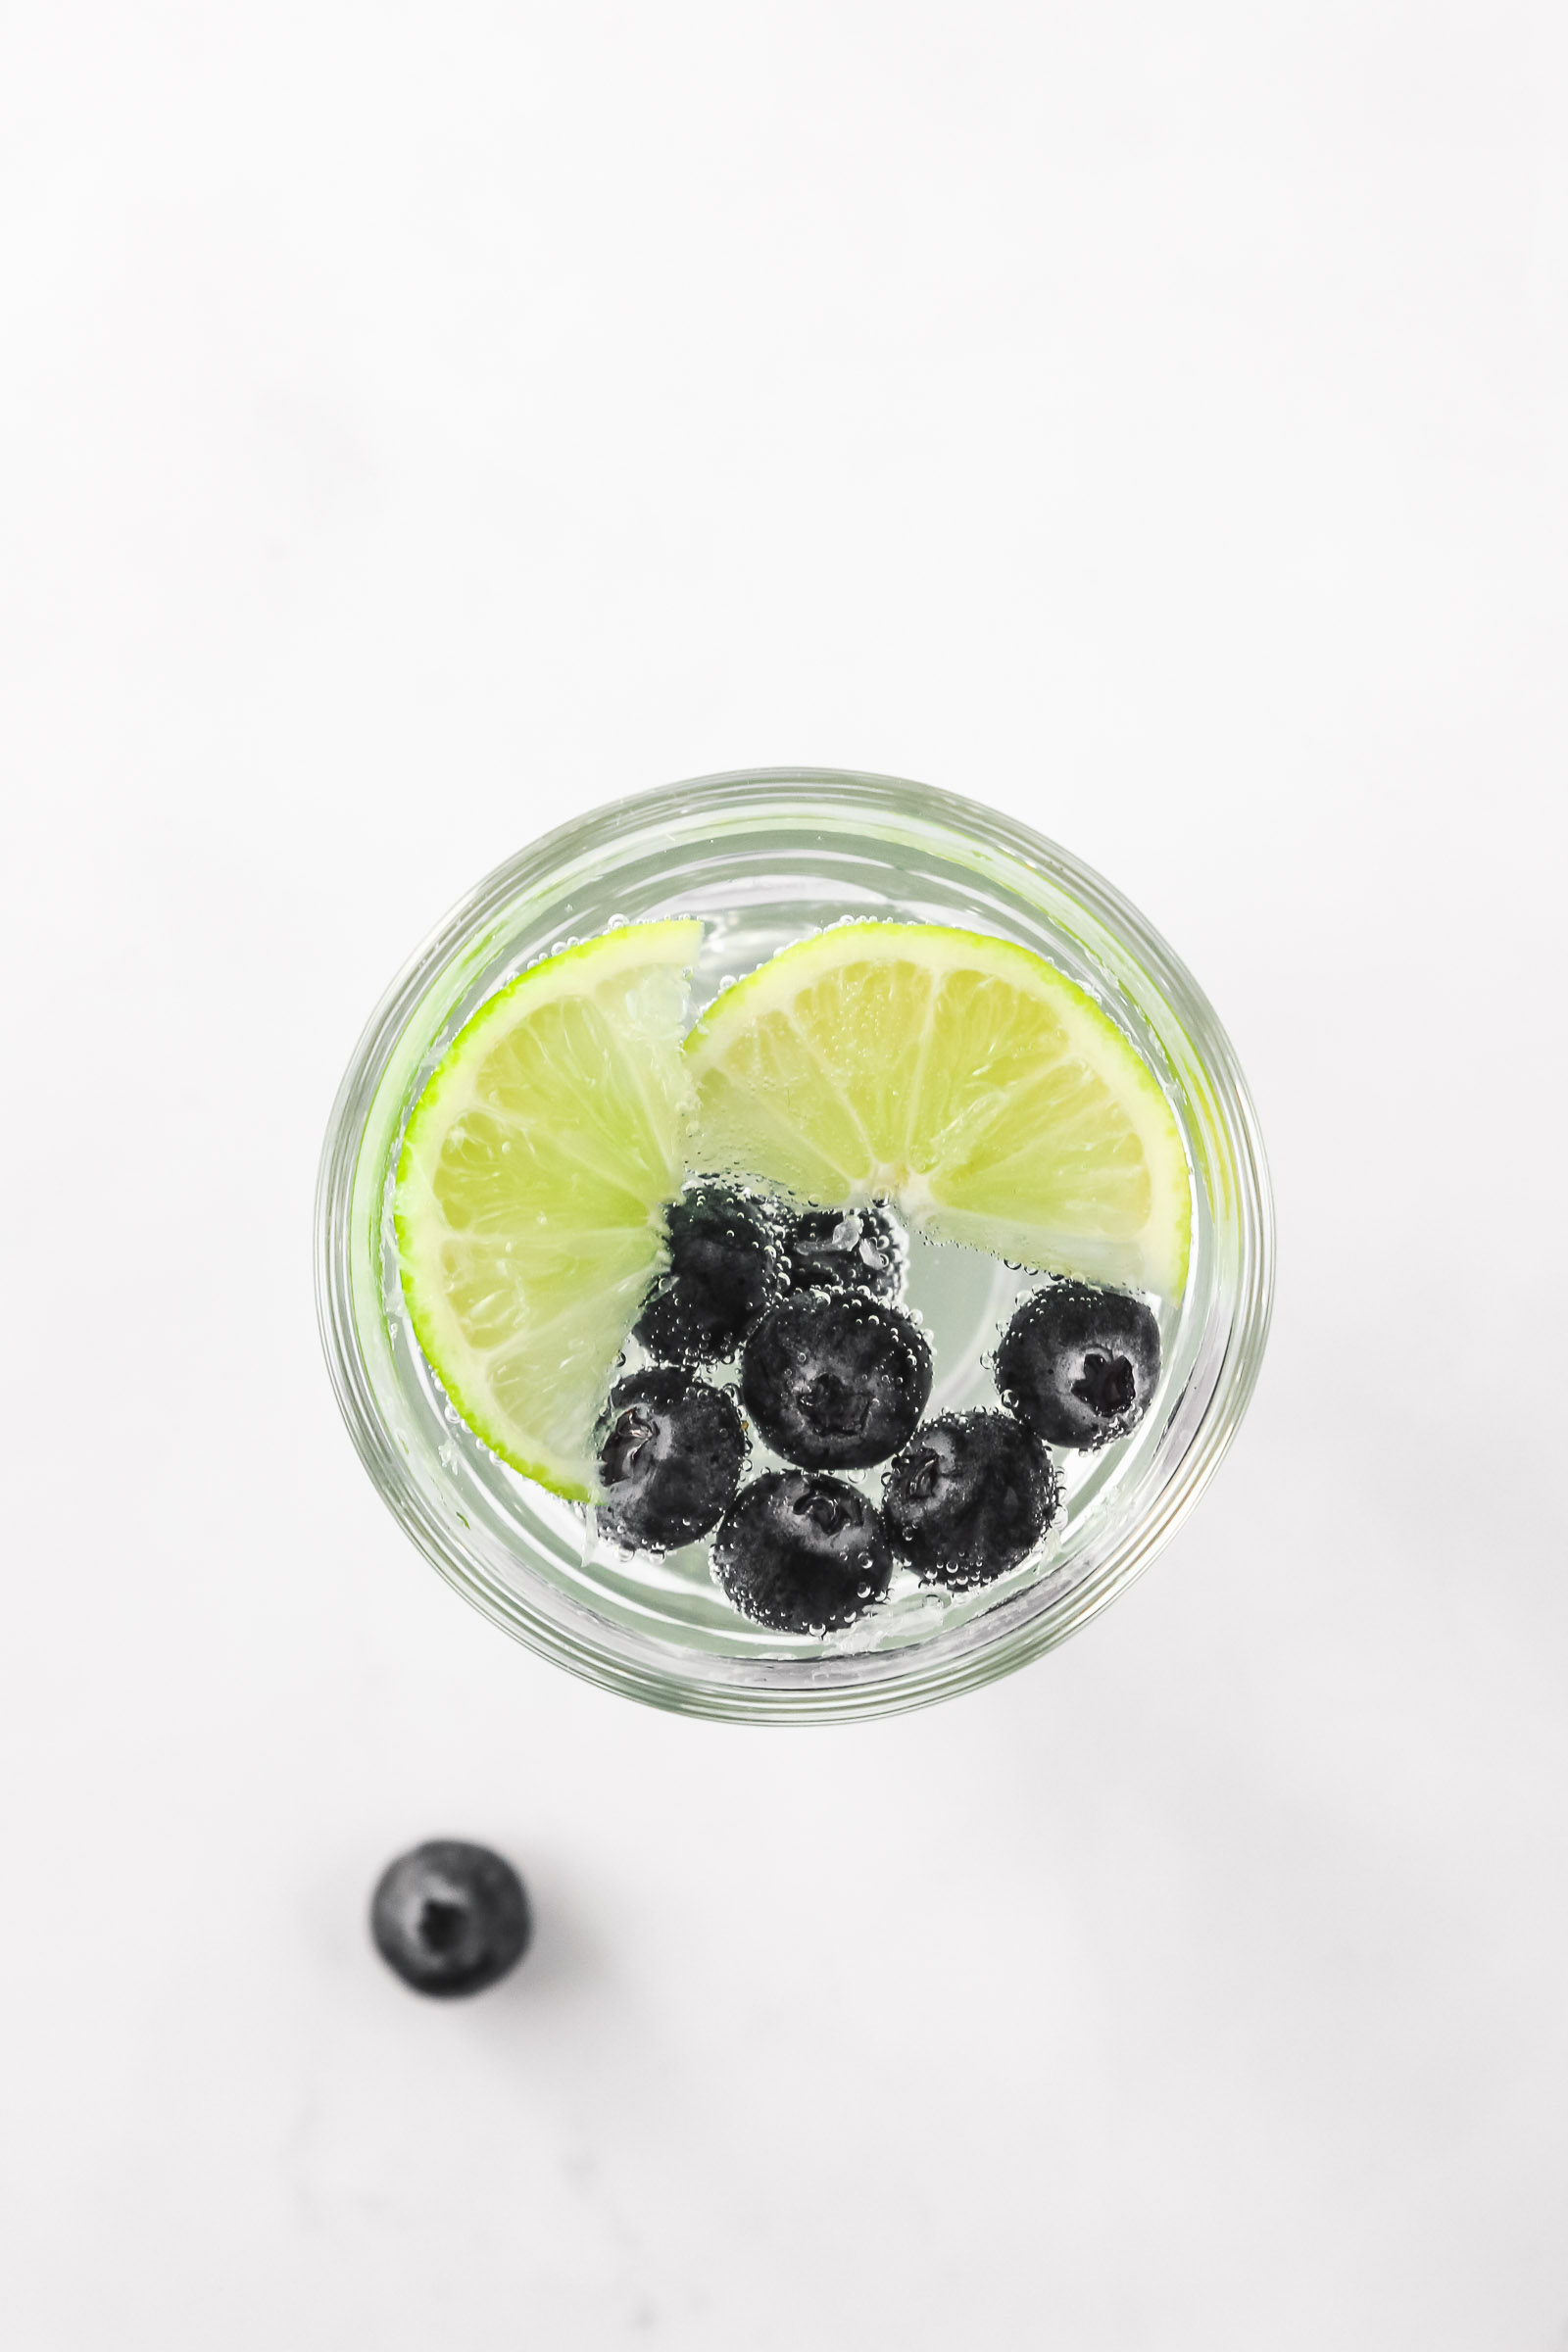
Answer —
(853, 1684)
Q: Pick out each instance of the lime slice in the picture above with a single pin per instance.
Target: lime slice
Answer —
(960, 1076)
(532, 1186)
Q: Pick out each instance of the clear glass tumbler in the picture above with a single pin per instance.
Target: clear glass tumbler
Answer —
(766, 856)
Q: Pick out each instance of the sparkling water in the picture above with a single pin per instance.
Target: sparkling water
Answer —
(963, 1297)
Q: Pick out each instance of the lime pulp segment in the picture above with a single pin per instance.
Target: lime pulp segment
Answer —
(532, 1186)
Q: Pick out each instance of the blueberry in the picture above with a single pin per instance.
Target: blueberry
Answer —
(670, 1461)
(450, 1918)
(969, 1496)
(801, 1553)
(835, 1380)
(1078, 1364)
(845, 1249)
(723, 1271)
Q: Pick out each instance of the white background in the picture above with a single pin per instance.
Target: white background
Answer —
(419, 424)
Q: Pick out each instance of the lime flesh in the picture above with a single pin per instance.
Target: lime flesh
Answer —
(961, 1077)
(531, 1187)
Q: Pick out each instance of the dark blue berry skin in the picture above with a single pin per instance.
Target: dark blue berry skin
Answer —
(835, 1380)
(724, 1271)
(450, 1918)
(1078, 1364)
(845, 1249)
(969, 1496)
(670, 1461)
(801, 1553)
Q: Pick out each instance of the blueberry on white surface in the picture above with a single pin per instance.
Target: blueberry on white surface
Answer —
(801, 1553)
(845, 1249)
(1080, 1364)
(723, 1271)
(670, 1461)
(450, 1918)
(835, 1380)
(968, 1498)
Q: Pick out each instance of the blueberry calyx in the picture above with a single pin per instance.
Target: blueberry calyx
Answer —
(441, 1926)
(627, 1443)
(450, 1918)
(836, 1407)
(924, 1473)
(1108, 1384)
(827, 1511)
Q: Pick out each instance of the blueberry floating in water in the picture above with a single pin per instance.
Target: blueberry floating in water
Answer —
(801, 1553)
(835, 1380)
(723, 1271)
(671, 1460)
(450, 1918)
(969, 1496)
(845, 1249)
(1079, 1364)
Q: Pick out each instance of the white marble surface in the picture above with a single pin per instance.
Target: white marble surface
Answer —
(418, 423)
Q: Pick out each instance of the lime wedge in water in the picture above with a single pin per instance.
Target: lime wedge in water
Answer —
(961, 1077)
(531, 1187)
